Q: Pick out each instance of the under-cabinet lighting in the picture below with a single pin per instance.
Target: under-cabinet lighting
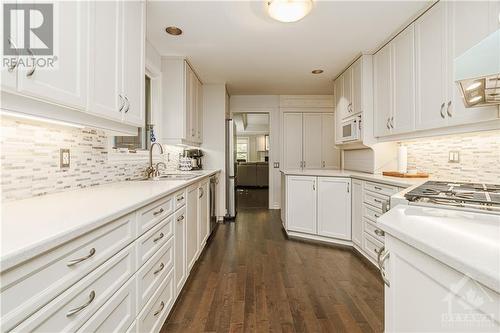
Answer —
(21, 115)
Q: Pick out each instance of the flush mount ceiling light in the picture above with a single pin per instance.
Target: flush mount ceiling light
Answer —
(289, 10)
(174, 31)
(317, 71)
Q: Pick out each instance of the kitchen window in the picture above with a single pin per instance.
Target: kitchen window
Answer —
(242, 149)
(142, 141)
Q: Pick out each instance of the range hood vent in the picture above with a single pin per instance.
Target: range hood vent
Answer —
(477, 73)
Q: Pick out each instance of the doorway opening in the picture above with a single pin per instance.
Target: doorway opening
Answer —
(252, 149)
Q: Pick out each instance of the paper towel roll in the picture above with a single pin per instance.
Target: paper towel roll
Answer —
(402, 159)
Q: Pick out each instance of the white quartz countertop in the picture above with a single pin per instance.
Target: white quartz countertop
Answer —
(468, 242)
(32, 226)
(395, 181)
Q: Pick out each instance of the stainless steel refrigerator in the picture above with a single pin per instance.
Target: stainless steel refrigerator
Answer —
(230, 169)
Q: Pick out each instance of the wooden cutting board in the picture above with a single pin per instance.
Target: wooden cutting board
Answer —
(405, 175)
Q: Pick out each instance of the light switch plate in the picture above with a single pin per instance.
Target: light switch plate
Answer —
(276, 165)
(454, 157)
(64, 158)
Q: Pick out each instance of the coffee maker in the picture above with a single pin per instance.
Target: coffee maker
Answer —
(195, 155)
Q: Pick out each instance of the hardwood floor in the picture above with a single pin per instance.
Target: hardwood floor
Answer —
(251, 278)
(252, 197)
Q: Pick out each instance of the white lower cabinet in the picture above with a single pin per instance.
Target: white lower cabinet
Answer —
(357, 212)
(117, 315)
(121, 277)
(334, 207)
(301, 204)
(426, 295)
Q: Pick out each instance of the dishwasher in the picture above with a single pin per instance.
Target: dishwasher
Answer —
(213, 210)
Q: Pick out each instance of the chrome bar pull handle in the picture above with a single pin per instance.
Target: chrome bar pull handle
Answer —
(379, 232)
(160, 236)
(382, 256)
(442, 111)
(33, 68)
(13, 66)
(122, 102)
(157, 312)
(128, 103)
(162, 266)
(448, 109)
(78, 260)
(83, 306)
(158, 212)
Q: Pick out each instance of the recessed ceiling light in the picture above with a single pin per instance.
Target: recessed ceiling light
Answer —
(174, 31)
(317, 71)
(289, 10)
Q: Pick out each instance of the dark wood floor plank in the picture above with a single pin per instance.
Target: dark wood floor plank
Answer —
(251, 278)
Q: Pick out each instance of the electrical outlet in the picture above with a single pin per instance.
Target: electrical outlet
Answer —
(454, 157)
(276, 165)
(64, 158)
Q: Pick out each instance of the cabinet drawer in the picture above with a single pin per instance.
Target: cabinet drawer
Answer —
(381, 188)
(70, 310)
(372, 213)
(180, 199)
(31, 285)
(376, 200)
(371, 246)
(153, 272)
(372, 229)
(156, 310)
(117, 314)
(154, 239)
(150, 215)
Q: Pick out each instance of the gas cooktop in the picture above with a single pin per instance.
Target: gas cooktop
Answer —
(467, 195)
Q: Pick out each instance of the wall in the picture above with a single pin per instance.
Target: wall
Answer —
(479, 156)
(214, 137)
(265, 104)
(30, 159)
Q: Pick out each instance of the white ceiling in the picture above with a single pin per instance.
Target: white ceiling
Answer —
(251, 123)
(236, 42)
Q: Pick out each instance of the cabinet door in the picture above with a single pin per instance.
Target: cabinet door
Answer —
(105, 74)
(382, 94)
(203, 214)
(66, 83)
(193, 110)
(180, 249)
(403, 68)
(188, 114)
(338, 91)
(312, 140)
(330, 155)
(356, 87)
(133, 37)
(301, 204)
(192, 226)
(347, 93)
(199, 109)
(430, 60)
(334, 207)
(8, 74)
(469, 23)
(357, 212)
(292, 140)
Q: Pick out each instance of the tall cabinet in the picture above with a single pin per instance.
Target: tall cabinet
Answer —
(308, 141)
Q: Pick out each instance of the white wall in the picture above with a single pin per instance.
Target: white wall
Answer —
(265, 104)
(214, 137)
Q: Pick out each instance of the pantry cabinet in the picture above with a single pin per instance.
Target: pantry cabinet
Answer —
(182, 119)
(309, 141)
(334, 207)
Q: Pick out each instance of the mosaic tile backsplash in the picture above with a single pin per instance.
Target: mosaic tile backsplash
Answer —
(29, 162)
(479, 157)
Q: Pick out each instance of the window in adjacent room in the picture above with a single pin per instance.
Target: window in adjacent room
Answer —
(142, 140)
(242, 149)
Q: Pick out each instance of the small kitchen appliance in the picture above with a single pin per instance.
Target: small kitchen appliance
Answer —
(463, 196)
(350, 130)
(195, 156)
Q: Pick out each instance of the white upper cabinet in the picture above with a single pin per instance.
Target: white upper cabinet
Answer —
(468, 23)
(382, 91)
(106, 97)
(431, 85)
(334, 207)
(356, 76)
(133, 53)
(292, 141)
(312, 139)
(348, 91)
(301, 204)
(182, 103)
(340, 106)
(403, 82)
(347, 95)
(66, 83)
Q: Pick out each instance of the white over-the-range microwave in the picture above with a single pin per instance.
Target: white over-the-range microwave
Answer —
(350, 130)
